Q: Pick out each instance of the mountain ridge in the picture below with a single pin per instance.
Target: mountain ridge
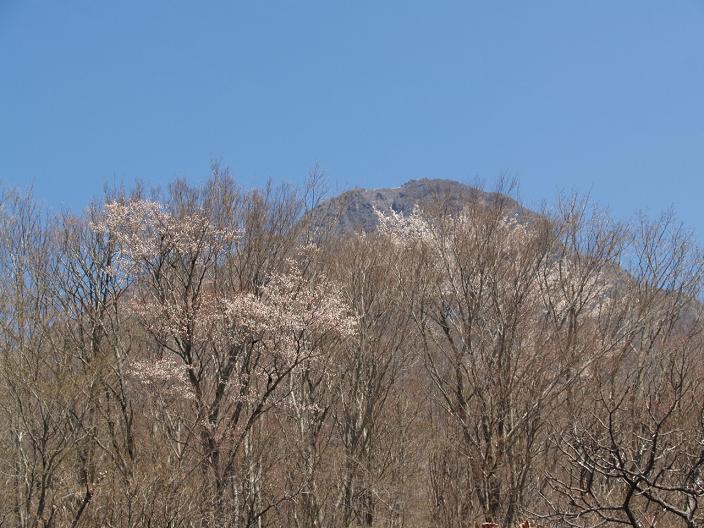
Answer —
(355, 210)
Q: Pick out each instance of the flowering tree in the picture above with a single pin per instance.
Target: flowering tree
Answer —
(501, 297)
(224, 344)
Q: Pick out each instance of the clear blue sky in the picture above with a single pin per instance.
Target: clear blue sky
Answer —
(604, 96)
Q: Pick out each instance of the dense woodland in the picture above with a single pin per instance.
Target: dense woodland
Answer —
(214, 357)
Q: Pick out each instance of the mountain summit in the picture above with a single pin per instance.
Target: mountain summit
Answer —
(353, 210)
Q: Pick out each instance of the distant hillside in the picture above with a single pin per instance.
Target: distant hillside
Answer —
(353, 210)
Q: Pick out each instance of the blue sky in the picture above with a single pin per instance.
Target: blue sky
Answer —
(599, 96)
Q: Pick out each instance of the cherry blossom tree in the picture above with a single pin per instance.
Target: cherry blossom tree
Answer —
(225, 344)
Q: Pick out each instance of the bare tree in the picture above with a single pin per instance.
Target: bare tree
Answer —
(371, 424)
(633, 455)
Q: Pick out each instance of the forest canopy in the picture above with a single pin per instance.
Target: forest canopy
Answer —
(211, 356)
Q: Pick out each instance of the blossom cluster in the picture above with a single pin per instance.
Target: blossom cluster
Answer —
(291, 312)
(144, 229)
(508, 233)
(290, 307)
(165, 375)
(402, 229)
(290, 316)
(174, 318)
(456, 246)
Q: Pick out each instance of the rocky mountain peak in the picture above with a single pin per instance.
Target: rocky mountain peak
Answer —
(354, 210)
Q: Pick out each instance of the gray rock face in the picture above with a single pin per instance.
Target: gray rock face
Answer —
(353, 210)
